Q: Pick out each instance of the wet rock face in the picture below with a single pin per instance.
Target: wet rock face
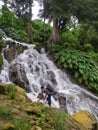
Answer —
(62, 101)
(13, 50)
(51, 77)
(10, 54)
(18, 76)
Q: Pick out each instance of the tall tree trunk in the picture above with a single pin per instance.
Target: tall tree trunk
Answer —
(30, 32)
(55, 33)
(29, 24)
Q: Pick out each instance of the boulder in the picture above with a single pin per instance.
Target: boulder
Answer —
(10, 54)
(85, 118)
(21, 94)
(3, 88)
(18, 76)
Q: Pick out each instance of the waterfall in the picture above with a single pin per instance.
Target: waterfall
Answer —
(40, 70)
(4, 76)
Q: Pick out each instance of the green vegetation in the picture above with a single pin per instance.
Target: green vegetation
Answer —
(5, 113)
(21, 113)
(73, 46)
(11, 93)
(41, 32)
(60, 120)
(21, 124)
(1, 61)
(82, 67)
(72, 41)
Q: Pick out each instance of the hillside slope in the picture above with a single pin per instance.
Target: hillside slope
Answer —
(17, 112)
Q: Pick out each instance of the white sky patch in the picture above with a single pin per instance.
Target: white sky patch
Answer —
(35, 10)
(1, 4)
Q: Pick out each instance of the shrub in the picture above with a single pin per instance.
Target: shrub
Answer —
(87, 47)
(41, 31)
(60, 121)
(11, 91)
(94, 56)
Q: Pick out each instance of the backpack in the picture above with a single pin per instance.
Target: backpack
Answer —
(51, 90)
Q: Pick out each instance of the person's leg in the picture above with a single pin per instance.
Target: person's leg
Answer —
(49, 99)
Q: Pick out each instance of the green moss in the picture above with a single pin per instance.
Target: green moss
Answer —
(8, 126)
(11, 93)
(1, 61)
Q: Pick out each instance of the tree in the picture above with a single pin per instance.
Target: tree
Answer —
(23, 9)
(7, 17)
(60, 12)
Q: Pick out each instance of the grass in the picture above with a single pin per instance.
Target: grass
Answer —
(5, 113)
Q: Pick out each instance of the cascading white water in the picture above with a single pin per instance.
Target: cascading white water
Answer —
(40, 70)
(4, 76)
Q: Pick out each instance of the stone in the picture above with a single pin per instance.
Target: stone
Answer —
(18, 76)
(21, 94)
(8, 126)
(3, 88)
(85, 118)
(38, 128)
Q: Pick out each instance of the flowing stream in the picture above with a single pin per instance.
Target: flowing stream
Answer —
(40, 70)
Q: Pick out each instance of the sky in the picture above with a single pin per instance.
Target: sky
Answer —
(0, 3)
(35, 10)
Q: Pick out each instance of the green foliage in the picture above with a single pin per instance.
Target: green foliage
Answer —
(21, 124)
(1, 61)
(41, 31)
(7, 18)
(5, 113)
(19, 35)
(13, 27)
(83, 37)
(69, 36)
(82, 67)
(87, 34)
(41, 120)
(11, 93)
(87, 47)
(60, 121)
(94, 55)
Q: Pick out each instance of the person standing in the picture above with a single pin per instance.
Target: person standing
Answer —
(48, 94)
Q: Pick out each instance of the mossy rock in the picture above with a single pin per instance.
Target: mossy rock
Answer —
(8, 126)
(3, 88)
(85, 118)
(21, 94)
(36, 128)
